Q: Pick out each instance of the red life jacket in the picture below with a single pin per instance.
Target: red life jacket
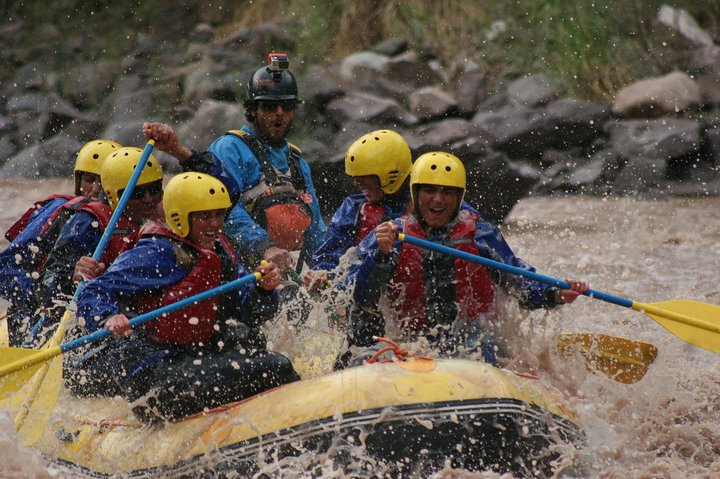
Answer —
(122, 237)
(370, 218)
(474, 289)
(195, 323)
(20, 224)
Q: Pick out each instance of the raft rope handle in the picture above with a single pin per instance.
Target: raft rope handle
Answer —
(400, 353)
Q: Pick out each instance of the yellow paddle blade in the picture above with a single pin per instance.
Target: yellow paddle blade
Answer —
(622, 359)
(692, 321)
(9, 383)
(32, 417)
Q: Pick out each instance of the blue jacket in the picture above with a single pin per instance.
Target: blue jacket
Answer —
(22, 256)
(78, 237)
(239, 169)
(371, 275)
(342, 232)
(148, 268)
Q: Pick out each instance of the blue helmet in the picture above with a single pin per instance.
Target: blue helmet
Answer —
(273, 81)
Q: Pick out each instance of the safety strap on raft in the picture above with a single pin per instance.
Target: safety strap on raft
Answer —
(400, 353)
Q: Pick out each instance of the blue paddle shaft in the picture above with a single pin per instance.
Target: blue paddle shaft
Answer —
(144, 318)
(510, 269)
(120, 208)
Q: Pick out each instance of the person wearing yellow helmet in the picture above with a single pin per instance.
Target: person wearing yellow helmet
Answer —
(89, 164)
(379, 163)
(206, 355)
(31, 236)
(450, 302)
(70, 259)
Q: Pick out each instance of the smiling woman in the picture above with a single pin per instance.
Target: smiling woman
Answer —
(437, 204)
(437, 187)
(216, 339)
(206, 225)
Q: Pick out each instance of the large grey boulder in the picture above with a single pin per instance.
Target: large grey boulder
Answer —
(87, 85)
(212, 120)
(211, 81)
(533, 90)
(662, 139)
(526, 132)
(362, 65)
(409, 69)
(39, 116)
(431, 102)
(126, 132)
(364, 107)
(685, 24)
(470, 91)
(54, 157)
(658, 96)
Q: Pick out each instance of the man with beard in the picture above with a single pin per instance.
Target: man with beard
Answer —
(275, 208)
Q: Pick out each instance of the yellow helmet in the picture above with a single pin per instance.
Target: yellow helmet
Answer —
(118, 167)
(438, 168)
(383, 153)
(89, 158)
(190, 192)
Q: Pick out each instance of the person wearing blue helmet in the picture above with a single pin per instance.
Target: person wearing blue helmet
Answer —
(275, 208)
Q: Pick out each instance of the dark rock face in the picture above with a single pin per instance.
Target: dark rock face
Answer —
(660, 136)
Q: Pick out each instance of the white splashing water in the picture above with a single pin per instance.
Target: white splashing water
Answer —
(666, 425)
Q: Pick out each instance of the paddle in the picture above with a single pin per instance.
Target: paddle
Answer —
(25, 361)
(59, 334)
(622, 359)
(692, 321)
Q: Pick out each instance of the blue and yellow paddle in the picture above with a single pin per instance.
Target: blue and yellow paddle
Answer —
(692, 321)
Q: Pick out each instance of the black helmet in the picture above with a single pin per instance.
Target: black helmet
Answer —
(273, 81)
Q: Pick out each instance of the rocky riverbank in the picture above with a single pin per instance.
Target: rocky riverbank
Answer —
(659, 136)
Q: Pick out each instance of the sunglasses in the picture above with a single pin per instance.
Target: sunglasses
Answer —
(152, 189)
(272, 105)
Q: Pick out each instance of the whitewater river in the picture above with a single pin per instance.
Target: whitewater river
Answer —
(668, 424)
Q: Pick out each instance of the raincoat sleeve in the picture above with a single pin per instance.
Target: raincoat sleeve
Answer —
(340, 236)
(372, 272)
(19, 260)
(531, 294)
(78, 237)
(147, 268)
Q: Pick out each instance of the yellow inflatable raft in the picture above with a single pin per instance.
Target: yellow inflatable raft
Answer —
(414, 416)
